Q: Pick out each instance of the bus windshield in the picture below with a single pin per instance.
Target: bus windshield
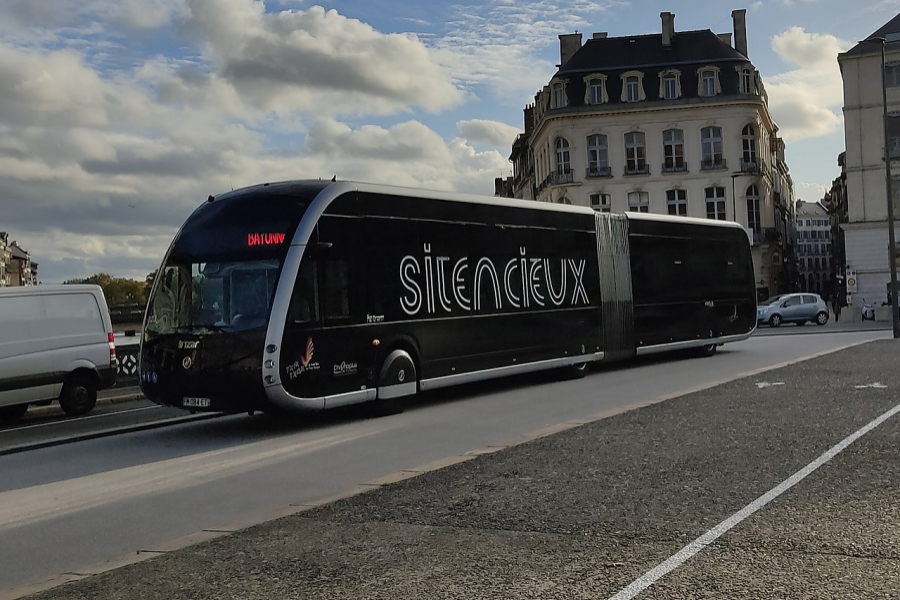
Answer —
(199, 297)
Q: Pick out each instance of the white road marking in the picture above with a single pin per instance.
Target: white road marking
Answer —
(686, 553)
(77, 419)
(877, 385)
(765, 384)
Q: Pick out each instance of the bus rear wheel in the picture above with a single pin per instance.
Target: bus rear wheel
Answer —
(397, 378)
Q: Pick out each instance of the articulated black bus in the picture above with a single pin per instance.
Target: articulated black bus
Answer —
(311, 294)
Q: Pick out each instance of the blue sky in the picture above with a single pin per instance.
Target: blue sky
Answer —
(118, 117)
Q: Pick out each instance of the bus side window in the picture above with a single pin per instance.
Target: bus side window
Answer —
(335, 289)
(304, 306)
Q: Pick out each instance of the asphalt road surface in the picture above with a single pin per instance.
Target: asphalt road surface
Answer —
(70, 510)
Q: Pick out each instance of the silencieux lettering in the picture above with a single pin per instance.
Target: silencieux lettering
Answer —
(438, 283)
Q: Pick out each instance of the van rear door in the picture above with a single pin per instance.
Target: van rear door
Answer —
(26, 369)
(82, 341)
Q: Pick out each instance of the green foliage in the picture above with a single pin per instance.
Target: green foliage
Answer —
(118, 291)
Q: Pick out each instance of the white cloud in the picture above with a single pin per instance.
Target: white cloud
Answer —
(499, 45)
(316, 60)
(806, 101)
(491, 132)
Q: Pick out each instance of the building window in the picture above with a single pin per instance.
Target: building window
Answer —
(596, 91)
(746, 81)
(563, 165)
(715, 203)
(635, 153)
(673, 150)
(601, 202)
(632, 87)
(892, 76)
(748, 155)
(670, 85)
(805, 235)
(753, 217)
(708, 82)
(676, 202)
(598, 156)
(711, 148)
(559, 95)
(639, 202)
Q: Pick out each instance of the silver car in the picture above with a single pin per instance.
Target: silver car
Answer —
(792, 308)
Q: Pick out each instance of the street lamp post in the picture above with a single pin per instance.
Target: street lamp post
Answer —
(895, 309)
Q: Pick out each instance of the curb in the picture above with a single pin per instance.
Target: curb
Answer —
(93, 435)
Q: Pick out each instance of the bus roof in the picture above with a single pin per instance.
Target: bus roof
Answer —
(289, 187)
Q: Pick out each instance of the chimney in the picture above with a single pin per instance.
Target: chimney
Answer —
(725, 37)
(740, 30)
(569, 44)
(529, 118)
(668, 28)
(600, 35)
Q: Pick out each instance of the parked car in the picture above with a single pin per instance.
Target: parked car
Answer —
(56, 344)
(792, 308)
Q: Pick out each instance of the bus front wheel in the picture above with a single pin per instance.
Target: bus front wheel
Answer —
(397, 378)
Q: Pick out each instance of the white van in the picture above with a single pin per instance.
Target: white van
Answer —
(56, 342)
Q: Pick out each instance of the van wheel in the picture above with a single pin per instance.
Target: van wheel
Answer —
(79, 395)
(8, 414)
(397, 379)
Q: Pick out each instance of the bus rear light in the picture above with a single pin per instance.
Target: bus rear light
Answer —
(271, 348)
(376, 342)
(270, 379)
(270, 364)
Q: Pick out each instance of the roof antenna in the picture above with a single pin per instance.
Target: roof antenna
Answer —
(232, 183)
(334, 178)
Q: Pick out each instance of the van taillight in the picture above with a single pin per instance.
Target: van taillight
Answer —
(112, 350)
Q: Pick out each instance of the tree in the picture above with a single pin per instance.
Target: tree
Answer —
(118, 291)
(148, 283)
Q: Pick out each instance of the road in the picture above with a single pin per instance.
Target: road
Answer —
(68, 509)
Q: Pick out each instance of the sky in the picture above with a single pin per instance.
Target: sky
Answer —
(119, 117)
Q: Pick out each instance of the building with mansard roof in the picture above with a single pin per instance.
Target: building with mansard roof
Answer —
(672, 123)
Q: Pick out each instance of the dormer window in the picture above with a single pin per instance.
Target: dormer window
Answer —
(558, 98)
(595, 89)
(633, 87)
(708, 82)
(670, 85)
(746, 76)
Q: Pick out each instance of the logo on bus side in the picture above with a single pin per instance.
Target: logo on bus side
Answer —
(299, 367)
(522, 282)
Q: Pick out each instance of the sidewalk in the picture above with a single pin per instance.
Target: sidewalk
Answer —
(585, 512)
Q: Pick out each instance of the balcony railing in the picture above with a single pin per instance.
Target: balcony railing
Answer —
(598, 172)
(675, 167)
(638, 170)
(713, 164)
(558, 178)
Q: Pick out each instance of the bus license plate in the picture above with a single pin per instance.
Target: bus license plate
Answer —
(195, 402)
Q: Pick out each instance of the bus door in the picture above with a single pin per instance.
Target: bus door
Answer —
(325, 346)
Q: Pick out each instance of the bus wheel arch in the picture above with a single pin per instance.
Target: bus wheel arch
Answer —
(398, 376)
